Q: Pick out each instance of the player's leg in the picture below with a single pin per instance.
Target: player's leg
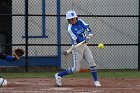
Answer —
(7, 58)
(59, 75)
(77, 57)
(88, 57)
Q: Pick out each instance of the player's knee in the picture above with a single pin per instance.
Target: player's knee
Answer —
(77, 69)
(72, 70)
(92, 64)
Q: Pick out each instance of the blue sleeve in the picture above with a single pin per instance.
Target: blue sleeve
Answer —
(10, 58)
(86, 26)
(73, 37)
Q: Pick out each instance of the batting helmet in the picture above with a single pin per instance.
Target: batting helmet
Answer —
(71, 14)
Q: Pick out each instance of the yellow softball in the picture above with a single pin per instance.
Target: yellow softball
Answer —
(100, 45)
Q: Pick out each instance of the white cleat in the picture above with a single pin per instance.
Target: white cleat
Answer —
(58, 80)
(97, 84)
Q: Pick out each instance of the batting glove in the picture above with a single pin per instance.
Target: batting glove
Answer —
(90, 34)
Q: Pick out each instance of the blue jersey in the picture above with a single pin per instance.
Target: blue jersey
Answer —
(77, 31)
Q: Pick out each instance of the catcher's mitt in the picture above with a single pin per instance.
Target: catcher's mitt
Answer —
(18, 53)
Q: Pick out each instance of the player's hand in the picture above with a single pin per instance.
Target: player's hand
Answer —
(87, 39)
(65, 53)
(91, 35)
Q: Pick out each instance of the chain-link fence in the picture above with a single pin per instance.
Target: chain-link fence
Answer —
(40, 27)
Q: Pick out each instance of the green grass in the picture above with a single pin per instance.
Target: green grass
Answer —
(120, 74)
(29, 75)
(101, 74)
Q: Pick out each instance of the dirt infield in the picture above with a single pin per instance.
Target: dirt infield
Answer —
(71, 85)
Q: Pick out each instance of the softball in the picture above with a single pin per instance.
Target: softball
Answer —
(100, 45)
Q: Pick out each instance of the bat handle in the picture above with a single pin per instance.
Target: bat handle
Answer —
(70, 50)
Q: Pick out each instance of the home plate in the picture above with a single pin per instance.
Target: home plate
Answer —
(59, 88)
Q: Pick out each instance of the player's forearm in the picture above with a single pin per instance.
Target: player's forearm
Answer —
(7, 58)
(90, 33)
(11, 58)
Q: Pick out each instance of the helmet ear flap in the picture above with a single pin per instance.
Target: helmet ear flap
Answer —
(68, 20)
(77, 18)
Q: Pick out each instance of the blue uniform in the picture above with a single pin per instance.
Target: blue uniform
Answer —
(3, 82)
(77, 31)
(6, 57)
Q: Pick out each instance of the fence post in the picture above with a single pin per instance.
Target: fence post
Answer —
(58, 34)
(139, 39)
(26, 35)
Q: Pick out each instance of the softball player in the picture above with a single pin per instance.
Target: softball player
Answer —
(7, 58)
(77, 29)
(16, 56)
(3, 82)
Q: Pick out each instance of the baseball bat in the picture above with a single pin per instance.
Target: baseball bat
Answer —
(72, 47)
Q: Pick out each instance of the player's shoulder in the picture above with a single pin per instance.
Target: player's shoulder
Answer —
(80, 20)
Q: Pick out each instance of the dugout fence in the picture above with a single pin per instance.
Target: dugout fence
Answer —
(40, 27)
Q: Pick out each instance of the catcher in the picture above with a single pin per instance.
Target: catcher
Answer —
(17, 53)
